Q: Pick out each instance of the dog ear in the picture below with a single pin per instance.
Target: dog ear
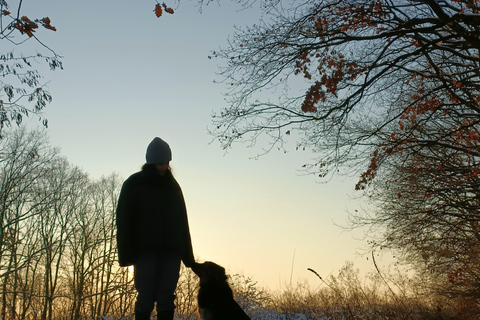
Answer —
(219, 274)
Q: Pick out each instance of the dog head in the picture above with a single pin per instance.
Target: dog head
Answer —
(209, 272)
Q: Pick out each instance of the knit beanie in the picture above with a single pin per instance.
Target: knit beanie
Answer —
(158, 151)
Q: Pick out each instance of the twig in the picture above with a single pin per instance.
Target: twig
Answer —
(381, 276)
(347, 305)
(388, 286)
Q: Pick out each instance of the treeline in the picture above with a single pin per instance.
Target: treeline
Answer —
(57, 236)
(58, 256)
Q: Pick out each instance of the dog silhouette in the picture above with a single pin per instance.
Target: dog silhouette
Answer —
(215, 297)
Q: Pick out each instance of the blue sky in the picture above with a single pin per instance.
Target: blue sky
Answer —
(129, 77)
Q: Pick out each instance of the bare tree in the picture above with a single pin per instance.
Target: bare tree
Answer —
(64, 186)
(93, 250)
(24, 159)
(105, 195)
(427, 210)
(387, 90)
(186, 295)
(57, 250)
(348, 74)
(29, 276)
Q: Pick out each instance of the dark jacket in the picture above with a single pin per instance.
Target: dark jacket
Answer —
(151, 216)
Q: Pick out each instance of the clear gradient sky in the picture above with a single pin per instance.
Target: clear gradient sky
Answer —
(129, 76)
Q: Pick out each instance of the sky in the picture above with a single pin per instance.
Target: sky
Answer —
(129, 77)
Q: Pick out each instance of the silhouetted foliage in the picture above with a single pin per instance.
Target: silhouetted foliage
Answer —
(21, 91)
(388, 90)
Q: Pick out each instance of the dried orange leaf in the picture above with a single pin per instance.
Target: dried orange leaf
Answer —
(158, 10)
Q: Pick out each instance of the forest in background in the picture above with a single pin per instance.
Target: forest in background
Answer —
(388, 91)
(58, 257)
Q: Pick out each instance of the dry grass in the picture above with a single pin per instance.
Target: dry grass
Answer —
(347, 296)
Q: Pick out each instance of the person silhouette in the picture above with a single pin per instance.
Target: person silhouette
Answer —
(153, 233)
